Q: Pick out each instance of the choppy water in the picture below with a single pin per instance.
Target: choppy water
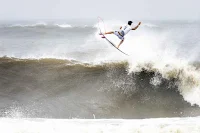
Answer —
(65, 70)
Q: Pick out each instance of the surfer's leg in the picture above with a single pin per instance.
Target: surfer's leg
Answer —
(110, 32)
(120, 43)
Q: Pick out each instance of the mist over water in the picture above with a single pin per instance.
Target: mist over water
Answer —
(65, 70)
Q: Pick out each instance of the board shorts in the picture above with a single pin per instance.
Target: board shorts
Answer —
(118, 35)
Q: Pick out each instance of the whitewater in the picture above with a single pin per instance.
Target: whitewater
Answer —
(61, 76)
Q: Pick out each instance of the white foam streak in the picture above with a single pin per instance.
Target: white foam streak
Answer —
(42, 24)
(29, 25)
(162, 125)
(64, 25)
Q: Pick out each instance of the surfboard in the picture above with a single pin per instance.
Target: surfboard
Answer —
(100, 30)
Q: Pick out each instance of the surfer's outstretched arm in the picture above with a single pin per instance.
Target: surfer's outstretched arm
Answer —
(136, 26)
(120, 43)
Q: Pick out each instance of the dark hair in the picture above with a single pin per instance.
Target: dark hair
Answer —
(130, 22)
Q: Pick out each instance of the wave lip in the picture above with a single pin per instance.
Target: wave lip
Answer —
(185, 75)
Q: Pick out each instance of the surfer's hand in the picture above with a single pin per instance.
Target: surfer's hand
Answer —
(139, 23)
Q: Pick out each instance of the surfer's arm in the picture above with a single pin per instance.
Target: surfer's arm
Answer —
(136, 26)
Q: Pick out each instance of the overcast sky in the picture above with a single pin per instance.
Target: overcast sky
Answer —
(114, 9)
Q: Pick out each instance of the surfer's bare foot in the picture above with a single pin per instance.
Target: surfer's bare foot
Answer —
(100, 33)
(103, 37)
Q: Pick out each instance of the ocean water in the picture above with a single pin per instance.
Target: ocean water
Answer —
(58, 76)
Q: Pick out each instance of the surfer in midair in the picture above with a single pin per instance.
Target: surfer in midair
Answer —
(122, 32)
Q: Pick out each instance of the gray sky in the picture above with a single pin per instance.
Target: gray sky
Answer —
(114, 9)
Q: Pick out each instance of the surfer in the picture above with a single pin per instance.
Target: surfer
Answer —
(122, 32)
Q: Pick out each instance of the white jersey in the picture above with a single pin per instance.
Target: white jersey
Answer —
(126, 29)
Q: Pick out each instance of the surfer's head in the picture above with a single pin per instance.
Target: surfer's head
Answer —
(130, 22)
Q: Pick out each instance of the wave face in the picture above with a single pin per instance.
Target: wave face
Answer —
(65, 70)
(67, 89)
